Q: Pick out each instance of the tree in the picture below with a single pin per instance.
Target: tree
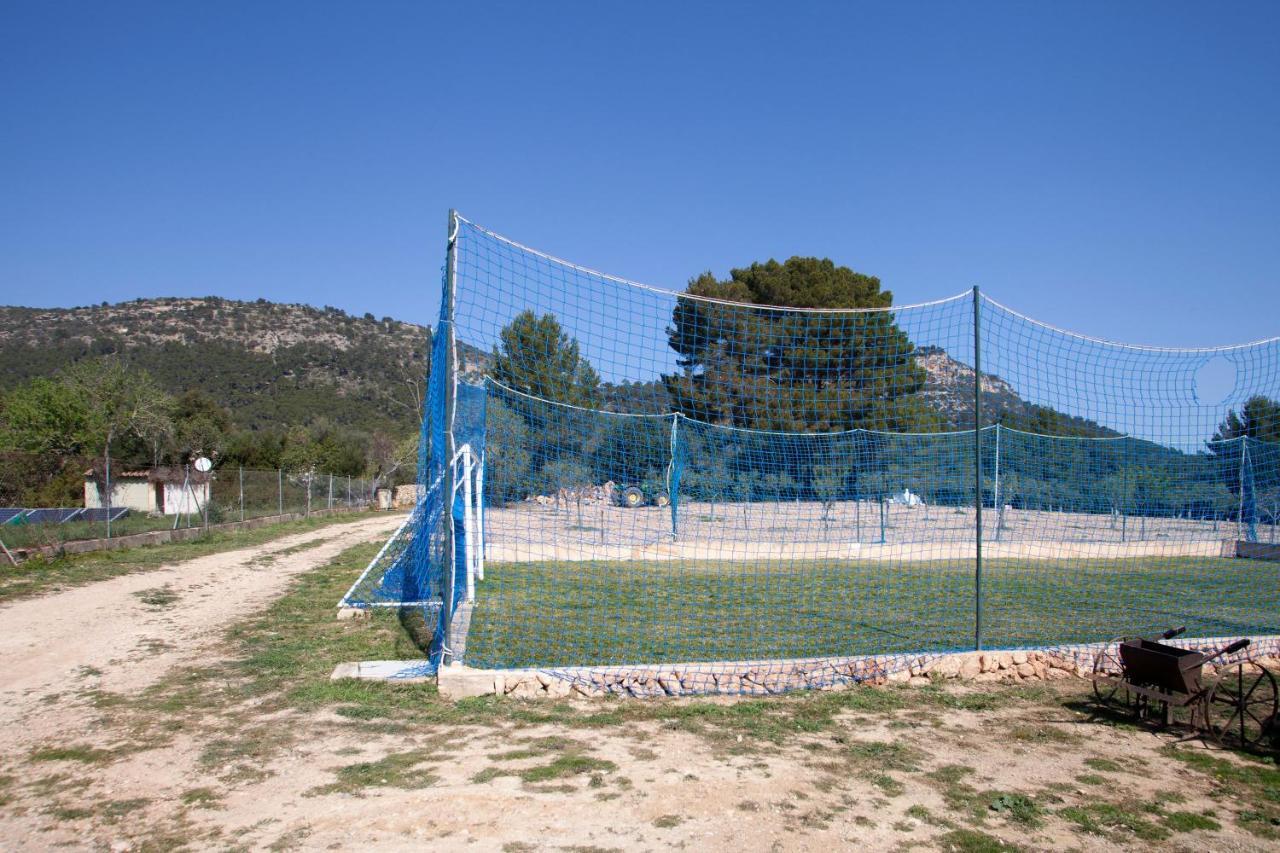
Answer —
(1259, 418)
(1118, 489)
(830, 483)
(122, 403)
(387, 458)
(1257, 424)
(201, 426)
(506, 454)
(537, 357)
(46, 416)
(569, 477)
(789, 370)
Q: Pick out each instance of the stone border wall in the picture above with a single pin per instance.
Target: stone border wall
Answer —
(775, 677)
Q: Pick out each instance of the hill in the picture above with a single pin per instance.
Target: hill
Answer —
(269, 364)
(274, 364)
(948, 388)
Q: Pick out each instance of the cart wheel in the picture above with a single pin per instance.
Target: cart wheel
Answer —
(1242, 704)
(632, 497)
(1111, 694)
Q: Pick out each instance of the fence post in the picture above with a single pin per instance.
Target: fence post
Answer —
(310, 479)
(242, 493)
(996, 502)
(977, 469)
(445, 327)
(108, 478)
(280, 489)
(330, 506)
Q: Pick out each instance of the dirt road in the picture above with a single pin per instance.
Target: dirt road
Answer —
(126, 632)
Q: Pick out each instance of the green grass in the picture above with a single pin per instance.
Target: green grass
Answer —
(76, 752)
(563, 614)
(397, 770)
(1254, 780)
(1115, 821)
(41, 575)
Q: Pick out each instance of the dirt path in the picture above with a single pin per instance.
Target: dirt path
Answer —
(127, 632)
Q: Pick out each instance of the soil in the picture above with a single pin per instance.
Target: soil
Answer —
(872, 781)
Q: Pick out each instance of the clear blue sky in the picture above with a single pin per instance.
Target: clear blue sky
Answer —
(1113, 168)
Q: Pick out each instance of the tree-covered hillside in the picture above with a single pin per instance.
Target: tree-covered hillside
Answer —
(271, 365)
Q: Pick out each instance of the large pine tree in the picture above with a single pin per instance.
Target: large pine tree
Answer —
(796, 371)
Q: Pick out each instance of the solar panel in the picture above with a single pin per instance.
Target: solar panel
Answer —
(52, 516)
(99, 514)
(9, 513)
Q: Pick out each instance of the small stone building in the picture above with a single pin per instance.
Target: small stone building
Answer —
(158, 491)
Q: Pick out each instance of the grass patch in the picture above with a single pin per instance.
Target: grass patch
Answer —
(973, 841)
(1105, 765)
(201, 798)
(566, 765)
(1190, 821)
(1018, 808)
(157, 597)
(1113, 821)
(77, 752)
(668, 821)
(1252, 780)
(397, 770)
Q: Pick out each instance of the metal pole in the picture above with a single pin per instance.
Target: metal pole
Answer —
(330, 506)
(977, 469)
(996, 502)
(107, 454)
(242, 493)
(450, 399)
(280, 489)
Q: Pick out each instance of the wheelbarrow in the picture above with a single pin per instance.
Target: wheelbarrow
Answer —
(1237, 702)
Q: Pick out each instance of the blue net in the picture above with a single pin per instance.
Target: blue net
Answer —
(705, 486)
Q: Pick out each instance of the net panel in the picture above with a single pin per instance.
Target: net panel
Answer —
(701, 481)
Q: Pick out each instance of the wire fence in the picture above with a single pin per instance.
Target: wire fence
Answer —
(39, 514)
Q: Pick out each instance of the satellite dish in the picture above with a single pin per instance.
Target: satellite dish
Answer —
(203, 465)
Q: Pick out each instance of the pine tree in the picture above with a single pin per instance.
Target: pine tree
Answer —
(810, 371)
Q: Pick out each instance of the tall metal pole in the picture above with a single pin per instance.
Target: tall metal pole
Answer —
(996, 501)
(977, 469)
(280, 489)
(107, 455)
(242, 493)
(445, 327)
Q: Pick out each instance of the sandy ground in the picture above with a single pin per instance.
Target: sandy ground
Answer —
(651, 785)
(597, 530)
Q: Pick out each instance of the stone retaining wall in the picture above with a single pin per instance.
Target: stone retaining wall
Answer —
(772, 677)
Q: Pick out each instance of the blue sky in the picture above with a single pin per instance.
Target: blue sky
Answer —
(1109, 168)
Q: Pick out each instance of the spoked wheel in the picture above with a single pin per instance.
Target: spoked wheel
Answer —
(1112, 693)
(1241, 706)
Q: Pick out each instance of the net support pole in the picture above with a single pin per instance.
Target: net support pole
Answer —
(977, 469)
(450, 401)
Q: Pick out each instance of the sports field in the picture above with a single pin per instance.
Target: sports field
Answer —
(551, 614)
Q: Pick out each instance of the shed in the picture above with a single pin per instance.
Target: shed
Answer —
(166, 490)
